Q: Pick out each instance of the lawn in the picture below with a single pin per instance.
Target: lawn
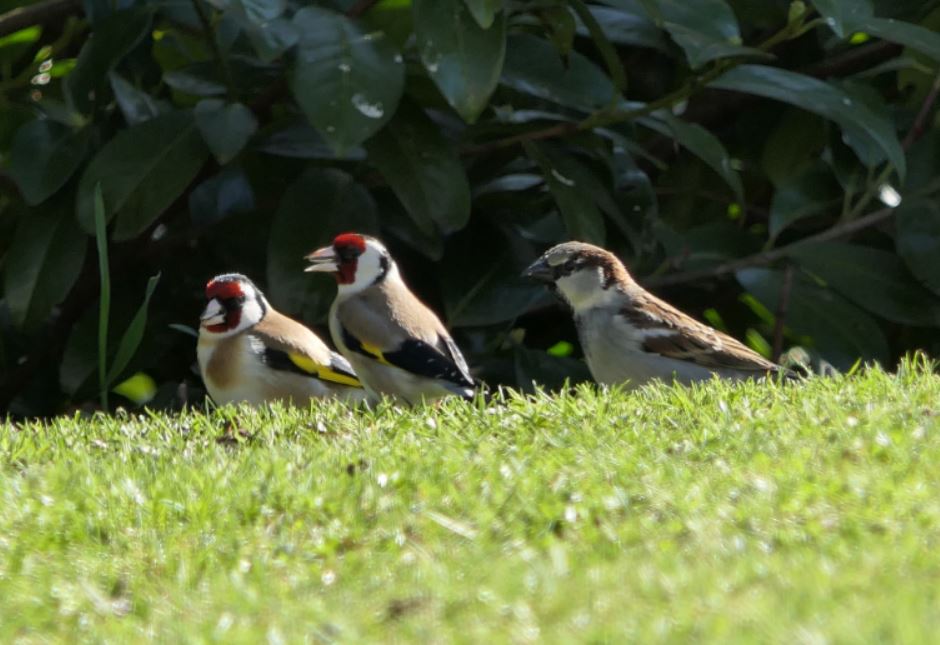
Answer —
(755, 512)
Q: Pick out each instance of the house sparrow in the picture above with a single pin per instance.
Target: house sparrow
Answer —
(629, 335)
(250, 352)
(397, 345)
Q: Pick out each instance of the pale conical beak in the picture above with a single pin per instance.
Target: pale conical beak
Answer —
(322, 260)
(540, 270)
(213, 314)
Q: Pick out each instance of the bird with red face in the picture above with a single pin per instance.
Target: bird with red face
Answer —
(397, 345)
(249, 352)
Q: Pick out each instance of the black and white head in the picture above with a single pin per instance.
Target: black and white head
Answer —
(235, 304)
(356, 261)
(584, 275)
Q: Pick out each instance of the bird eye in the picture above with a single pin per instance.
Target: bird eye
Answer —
(569, 265)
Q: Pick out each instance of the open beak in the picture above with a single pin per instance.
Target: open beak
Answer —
(213, 314)
(322, 260)
(539, 270)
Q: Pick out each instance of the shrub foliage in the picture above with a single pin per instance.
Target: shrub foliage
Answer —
(772, 167)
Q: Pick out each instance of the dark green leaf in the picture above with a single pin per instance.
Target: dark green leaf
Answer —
(562, 172)
(796, 139)
(44, 155)
(347, 82)
(111, 40)
(464, 59)
(423, 170)
(841, 332)
(226, 127)
(873, 279)
(819, 97)
(42, 264)
(921, 39)
(133, 334)
(705, 30)
(917, 240)
(298, 140)
(560, 26)
(534, 67)
(196, 80)
(633, 28)
(843, 16)
(142, 171)
(136, 105)
(341, 205)
(813, 192)
(269, 33)
(226, 193)
(703, 144)
(484, 11)
(610, 55)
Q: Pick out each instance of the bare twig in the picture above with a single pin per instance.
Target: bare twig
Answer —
(920, 123)
(767, 257)
(781, 315)
(37, 14)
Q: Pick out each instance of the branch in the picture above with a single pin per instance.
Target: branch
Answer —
(767, 257)
(920, 123)
(36, 14)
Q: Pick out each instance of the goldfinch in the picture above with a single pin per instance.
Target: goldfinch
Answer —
(249, 352)
(629, 336)
(397, 345)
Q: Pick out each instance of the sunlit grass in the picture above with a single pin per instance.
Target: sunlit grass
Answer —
(756, 512)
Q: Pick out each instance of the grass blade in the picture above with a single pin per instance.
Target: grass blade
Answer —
(134, 333)
(104, 303)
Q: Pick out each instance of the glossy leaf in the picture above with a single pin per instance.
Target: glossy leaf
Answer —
(347, 82)
(142, 171)
(819, 97)
(813, 192)
(44, 155)
(918, 240)
(703, 144)
(133, 335)
(136, 105)
(705, 30)
(463, 59)
(920, 39)
(42, 265)
(622, 27)
(844, 16)
(841, 332)
(484, 11)
(319, 205)
(604, 47)
(582, 218)
(534, 67)
(226, 127)
(111, 40)
(423, 170)
(227, 193)
(873, 279)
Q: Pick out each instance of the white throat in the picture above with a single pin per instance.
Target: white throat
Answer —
(584, 289)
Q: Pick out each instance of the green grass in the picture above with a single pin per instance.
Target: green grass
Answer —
(755, 512)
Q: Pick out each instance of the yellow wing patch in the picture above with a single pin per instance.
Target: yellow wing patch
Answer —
(323, 372)
(374, 351)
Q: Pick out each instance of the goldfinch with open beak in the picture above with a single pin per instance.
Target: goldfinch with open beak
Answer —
(397, 345)
(629, 336)
(250, 352)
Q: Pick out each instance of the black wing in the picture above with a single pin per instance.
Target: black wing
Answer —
(415, 356)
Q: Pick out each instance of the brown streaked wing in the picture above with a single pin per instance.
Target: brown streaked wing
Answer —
(690, 340)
